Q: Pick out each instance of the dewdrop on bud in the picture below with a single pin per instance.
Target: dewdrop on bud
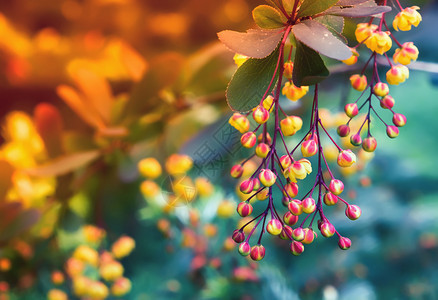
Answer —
(369, 144)
(285, 161)
(296, 248)
(330, 199)
(353, 212)
(244, 249)
(356, 139)
(274, 227)
(257, 252)
(309, 236)
(286, 233)
(344, 243)
(387, 102)
(246, 186)
(248, 140)
(346, 158)
(327, 229)
(309, 205)
(288, 68)
(268, 103)
(240, 122)
(262, 150)
(336, 186)
(236, 171)
(381, 89)
(295, 207)
(351, 110)
(238, 236)
(309, 148)
(290, 189)
(267, 177)
(399, 120)
(298, 234)
(392, 131)
(260, 115)
(244, 209)
(358, 82)
(343, 130)
(290, 219)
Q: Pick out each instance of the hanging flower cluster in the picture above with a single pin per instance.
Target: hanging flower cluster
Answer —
(279, 166)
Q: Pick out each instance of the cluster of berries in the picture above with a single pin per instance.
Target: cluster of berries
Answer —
(380, 42)
(93, 274)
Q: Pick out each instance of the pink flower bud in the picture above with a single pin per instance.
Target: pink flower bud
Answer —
(399, 120)
(353, 212)
(355, 139)
(330, 199)
(309, 148)
(262, 150)
(351, 110)
(240, 122)
(309, 236)
(244, 249)
(262, 139)
(286, 233)
(255, 184)
(309, 205)
(274, 227)
(358, 82)
(344, 243)
(260, 114)
(369, 144)
(290, 189)
(387, 102)
(244, 209)
(296, 248)
(343, 130)
(248, 140)
(236, 171)
(267, 177)
(298, 234)
(346, 158)
(392, 131)
(406, 53)
(295, 207)
(336, 186)
(381, 89)
(285, 201)
(238, 236)
(257, 252)
(397, 74)
(327, 229)
(285, 161)
(246, 186)
(288, 69)
(290, 219)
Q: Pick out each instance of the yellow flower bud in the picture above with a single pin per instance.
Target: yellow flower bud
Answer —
(397, 74)
(406, 53)
(149, 167)
(406, 18)
(379, 42)
(364, 31)
(293, 92)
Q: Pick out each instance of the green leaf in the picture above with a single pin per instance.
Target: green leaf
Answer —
(309, 68)
(250, 82)
(267, 17)
(312, 7)
(288, 5)
(319, 38)
(255, 43)
(364, 9)
(333, 23)
(64, 164)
